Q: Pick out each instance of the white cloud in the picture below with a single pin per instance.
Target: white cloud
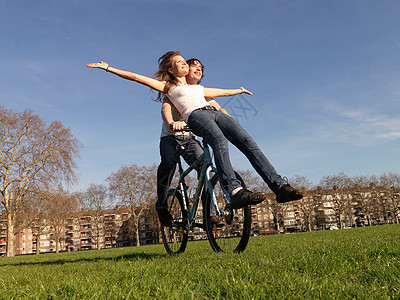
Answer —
(359, 126)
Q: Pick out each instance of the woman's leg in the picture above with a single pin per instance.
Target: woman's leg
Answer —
(235, 133)
(202, 122)
(241, 139)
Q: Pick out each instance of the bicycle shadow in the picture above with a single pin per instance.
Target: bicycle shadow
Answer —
(66, 260)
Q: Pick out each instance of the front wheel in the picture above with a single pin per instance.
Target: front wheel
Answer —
(175, 238)
(231, 231)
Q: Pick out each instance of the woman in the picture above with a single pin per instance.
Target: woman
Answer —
(213, 126)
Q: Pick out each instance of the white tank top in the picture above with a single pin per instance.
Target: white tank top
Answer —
(187, 98)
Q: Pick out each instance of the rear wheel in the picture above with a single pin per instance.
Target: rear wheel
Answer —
(175, 238)
(231, 231)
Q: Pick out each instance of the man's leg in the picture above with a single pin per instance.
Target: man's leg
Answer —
(165, 172)
(191, 150)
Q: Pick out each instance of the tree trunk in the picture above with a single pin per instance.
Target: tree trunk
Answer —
(57, 243)
(339, 218)
(137, 233)
(277, 226)
(368, 219)
(38, 244)
(10, 234)
(98, 239)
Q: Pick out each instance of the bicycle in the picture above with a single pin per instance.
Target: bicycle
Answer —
(230, 234)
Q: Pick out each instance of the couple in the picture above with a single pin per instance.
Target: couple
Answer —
(213, 125)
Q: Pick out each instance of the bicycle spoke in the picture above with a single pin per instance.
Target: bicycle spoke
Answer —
(175, 237)
(234, 230)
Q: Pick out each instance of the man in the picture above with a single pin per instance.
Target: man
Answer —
(174, 143)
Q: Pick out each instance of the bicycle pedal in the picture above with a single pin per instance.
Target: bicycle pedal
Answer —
(200, 225)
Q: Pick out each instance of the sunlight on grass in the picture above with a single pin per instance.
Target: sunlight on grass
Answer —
(355, 263)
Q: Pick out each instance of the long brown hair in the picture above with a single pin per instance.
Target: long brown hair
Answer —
(163, 73)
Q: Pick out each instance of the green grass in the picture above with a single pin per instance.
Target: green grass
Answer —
(360, 263)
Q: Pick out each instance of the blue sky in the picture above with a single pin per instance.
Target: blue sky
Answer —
(325, 76)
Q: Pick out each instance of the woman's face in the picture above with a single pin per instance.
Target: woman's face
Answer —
(179, 66)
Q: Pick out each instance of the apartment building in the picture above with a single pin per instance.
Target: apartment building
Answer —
(318, 210)
(84, 231)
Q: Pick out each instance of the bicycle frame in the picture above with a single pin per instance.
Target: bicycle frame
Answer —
(230, 231)
(204, 183)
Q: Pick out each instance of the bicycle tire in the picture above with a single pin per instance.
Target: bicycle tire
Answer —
(175, 238)
(232, 234)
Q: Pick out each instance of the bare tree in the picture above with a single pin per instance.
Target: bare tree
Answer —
(135, 188)
(59, 205)
(301, 182)
(364, 180)
(391, 182)
(33, 212)
(341, 198)
(342, 202)
(320, 216)
(365, 200)
(341, 181)
(388, 180)
(307, 206)
(31, 152)
(393, 202)
(95, 200)
(278, 211)
(254, 182)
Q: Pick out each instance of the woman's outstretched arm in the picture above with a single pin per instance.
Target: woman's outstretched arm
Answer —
(212, 93)
(148, 81)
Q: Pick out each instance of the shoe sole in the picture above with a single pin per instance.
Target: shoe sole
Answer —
(289, 200)
(255, 201)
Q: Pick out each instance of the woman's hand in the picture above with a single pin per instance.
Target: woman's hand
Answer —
(100, 65)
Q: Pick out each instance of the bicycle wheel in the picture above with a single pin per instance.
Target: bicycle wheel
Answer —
(175, 238)
(232, 232)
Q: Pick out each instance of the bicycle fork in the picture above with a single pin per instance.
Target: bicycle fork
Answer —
(222, 213)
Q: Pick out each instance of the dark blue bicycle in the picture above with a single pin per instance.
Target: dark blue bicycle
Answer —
(228, 230)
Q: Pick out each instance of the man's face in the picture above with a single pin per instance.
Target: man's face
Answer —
(195, 73)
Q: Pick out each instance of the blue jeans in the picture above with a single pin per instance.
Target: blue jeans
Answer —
(170, 149)
(215, 128)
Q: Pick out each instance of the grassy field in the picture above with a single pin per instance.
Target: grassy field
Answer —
(359, 263)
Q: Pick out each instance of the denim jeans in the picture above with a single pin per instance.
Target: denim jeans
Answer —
(170, 148)
(215, 128)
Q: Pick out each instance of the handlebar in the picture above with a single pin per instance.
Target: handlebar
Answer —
(186, 128)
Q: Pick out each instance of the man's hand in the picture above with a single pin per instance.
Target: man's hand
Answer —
(177, 126)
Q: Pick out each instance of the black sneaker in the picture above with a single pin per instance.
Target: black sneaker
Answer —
(165, 217)
(286, 193)
(244, 197)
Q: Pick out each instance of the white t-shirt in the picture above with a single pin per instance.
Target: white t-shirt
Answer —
(187, 98)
